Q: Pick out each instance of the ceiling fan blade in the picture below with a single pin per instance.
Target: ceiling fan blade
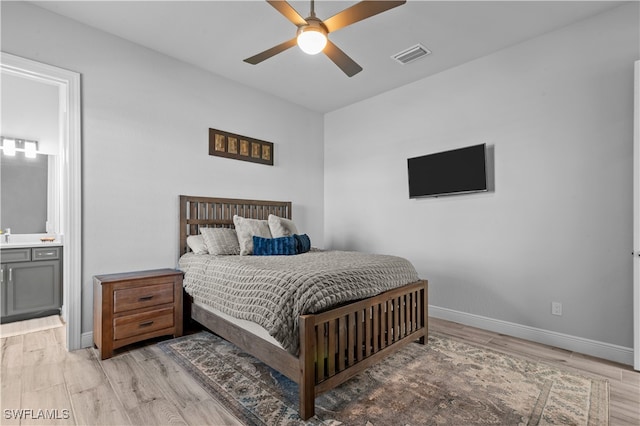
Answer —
(288, 11)
(344, 62)
(256, 59)
(359, 11)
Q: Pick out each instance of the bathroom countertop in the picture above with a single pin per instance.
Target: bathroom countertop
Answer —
(31, 244)
(29, 240)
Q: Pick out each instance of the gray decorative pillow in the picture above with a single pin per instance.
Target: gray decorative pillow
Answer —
(196, 244)
(220, 241)
(246, 229)
(281, 227)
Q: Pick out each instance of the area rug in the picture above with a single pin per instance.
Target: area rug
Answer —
(446, 382)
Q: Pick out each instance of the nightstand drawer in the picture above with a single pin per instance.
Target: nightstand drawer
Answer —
(147, 322)
(141, 297)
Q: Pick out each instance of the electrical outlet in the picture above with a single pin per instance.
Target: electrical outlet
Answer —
(556, 308)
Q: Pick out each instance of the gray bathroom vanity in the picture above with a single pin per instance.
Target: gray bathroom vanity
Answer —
(31, 282)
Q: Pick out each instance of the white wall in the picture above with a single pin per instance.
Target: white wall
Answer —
(557, 111)
(145, 141)
(30, 111)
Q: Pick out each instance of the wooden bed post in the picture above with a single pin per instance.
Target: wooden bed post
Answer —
(187, 301)
(183, 224)
(307, 366)
(424, 313)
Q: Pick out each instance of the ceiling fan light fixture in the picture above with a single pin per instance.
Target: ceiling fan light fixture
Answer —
(312, 39)
(312, 32)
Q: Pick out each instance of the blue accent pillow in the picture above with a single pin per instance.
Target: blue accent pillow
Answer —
(303, 243)
(281, 246)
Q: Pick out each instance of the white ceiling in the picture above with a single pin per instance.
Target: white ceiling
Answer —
(218, 35)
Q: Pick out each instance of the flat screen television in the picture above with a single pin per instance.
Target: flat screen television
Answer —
(449, 172)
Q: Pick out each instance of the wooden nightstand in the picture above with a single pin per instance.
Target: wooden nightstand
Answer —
(135, 306)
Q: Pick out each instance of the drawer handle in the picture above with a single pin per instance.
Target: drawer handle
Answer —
(145, 324)
(145, 298)
(49, 253)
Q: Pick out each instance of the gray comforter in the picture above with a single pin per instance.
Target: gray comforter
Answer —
(274, 291)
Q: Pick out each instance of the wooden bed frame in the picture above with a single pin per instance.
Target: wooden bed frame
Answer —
(335, 345)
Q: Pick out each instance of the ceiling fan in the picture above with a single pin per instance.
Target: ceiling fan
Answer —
(312, 32)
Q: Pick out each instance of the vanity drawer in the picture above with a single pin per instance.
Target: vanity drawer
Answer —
(146, 322)
(48, 253)
(16, 255)
(127, 299)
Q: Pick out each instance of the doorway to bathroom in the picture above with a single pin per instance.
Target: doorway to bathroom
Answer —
(64, 169)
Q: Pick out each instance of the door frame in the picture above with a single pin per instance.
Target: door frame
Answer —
(636, 220)
(70, 162)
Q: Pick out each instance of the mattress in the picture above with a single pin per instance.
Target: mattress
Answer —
(273, 291)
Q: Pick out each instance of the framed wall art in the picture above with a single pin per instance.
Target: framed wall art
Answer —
(238, 147)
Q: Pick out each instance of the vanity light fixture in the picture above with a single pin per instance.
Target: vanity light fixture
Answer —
(11, 145)
(30, 148)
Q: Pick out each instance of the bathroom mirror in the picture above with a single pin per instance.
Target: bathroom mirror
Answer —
(24, 187)
(30, 186)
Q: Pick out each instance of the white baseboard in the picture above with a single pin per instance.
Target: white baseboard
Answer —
(86, 339)
(564, 341)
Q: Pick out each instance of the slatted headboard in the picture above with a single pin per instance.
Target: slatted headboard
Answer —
(218, 212)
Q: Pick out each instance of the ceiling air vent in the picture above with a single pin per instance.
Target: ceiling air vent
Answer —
(411, 54)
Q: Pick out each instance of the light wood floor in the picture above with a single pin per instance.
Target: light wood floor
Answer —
(143, 386)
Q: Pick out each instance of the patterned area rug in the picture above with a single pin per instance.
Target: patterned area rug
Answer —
(445, 382)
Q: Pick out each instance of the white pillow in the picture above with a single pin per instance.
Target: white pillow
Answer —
(246, 229)
(196, 244)
(281, 227)
(221, 241)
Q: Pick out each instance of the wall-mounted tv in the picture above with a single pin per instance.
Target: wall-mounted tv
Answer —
(448, 172)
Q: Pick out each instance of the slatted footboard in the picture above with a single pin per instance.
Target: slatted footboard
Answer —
(337, 344)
